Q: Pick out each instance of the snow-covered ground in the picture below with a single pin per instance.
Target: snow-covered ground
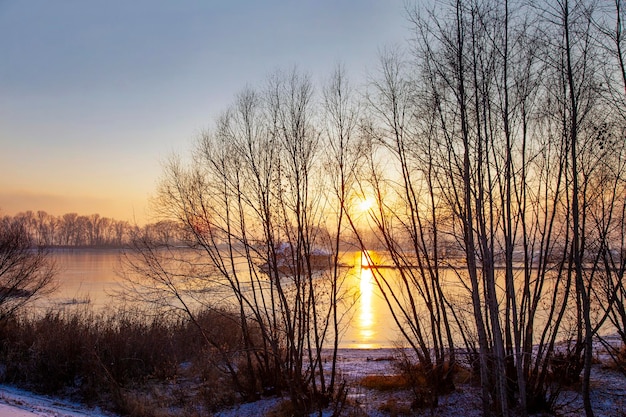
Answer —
(608, 394)
(18, 403)
(608, 391)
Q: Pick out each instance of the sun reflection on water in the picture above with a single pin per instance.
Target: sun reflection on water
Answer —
(366, 313)
(366, 317)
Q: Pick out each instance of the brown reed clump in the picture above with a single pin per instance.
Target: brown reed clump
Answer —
(127, 361)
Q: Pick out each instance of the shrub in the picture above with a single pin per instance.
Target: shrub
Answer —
(618, 356)
(426, 381)
(117, 359)
(565, 368)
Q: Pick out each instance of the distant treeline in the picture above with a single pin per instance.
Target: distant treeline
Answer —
(74, 230)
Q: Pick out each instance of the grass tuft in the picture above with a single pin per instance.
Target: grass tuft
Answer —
(385, 382)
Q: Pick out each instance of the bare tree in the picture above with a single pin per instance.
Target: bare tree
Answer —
(609, 213)
(345, 155)
(503, 114)
(253, 204)
(26, 271)
(577, 92)
(406, 220)
(495, 152)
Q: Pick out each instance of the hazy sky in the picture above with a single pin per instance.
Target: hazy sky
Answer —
(95, 94)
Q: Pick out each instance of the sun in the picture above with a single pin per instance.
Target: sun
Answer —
(365, 204)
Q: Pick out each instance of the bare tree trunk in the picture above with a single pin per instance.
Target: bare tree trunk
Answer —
(581, 288)
(345, 152)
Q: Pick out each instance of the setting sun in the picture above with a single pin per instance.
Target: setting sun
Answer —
(365, 204)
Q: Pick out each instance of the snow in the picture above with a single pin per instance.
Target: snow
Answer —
(608, 391)
(608, 394)
(9, 410)
(19, 403)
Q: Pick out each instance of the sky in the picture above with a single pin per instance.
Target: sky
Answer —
(96, 94)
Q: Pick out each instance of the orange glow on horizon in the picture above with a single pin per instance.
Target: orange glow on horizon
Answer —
(131, 209)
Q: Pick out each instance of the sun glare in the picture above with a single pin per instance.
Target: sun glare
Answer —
(365, 204)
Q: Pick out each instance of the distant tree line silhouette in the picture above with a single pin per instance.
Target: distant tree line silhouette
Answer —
(75, 230)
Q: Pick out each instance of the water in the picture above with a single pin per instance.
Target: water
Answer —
(92, 276)
(86, 276)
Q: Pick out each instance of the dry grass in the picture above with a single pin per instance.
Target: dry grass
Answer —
(463, 375)
(395, 409)
(283, 409)
(617, 361)
(127, 362)
(385, 382)
(425, 384)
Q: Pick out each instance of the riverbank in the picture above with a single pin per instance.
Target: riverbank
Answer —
(608, 395)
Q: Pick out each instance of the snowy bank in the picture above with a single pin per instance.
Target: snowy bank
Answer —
(608, 394)
(19, 403)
